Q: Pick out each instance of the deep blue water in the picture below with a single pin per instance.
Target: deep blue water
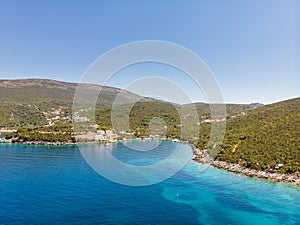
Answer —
(54, 185)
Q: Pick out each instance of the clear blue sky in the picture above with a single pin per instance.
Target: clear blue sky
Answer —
(253, 47)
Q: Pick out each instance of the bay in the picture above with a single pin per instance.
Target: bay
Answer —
(55, 185)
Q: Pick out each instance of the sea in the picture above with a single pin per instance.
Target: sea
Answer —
(59, 185)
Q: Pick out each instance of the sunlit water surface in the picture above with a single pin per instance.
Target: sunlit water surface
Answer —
(54, 185)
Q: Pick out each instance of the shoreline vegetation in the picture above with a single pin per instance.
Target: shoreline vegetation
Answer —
(259, 140)
(204, 158)
(200, 156)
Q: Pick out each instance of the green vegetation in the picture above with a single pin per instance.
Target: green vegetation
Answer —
(17, 115)
(57, 133)
(25, 102)
(266, 137)
(261, 138)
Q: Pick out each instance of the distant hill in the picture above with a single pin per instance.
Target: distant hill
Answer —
(231, 109)
(24, 102)
(43, 90)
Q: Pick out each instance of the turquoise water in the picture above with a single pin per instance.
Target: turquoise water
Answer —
(54, 185)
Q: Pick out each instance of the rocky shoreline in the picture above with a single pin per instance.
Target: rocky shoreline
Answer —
(203, 157)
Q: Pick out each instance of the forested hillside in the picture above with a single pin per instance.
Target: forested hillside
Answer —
(26, 102)
(266, 137)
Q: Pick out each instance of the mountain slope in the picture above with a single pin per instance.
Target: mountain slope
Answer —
(25, 102)
(266, 137)
(43, 90)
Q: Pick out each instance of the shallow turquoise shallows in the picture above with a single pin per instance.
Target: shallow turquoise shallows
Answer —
(54, 185)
